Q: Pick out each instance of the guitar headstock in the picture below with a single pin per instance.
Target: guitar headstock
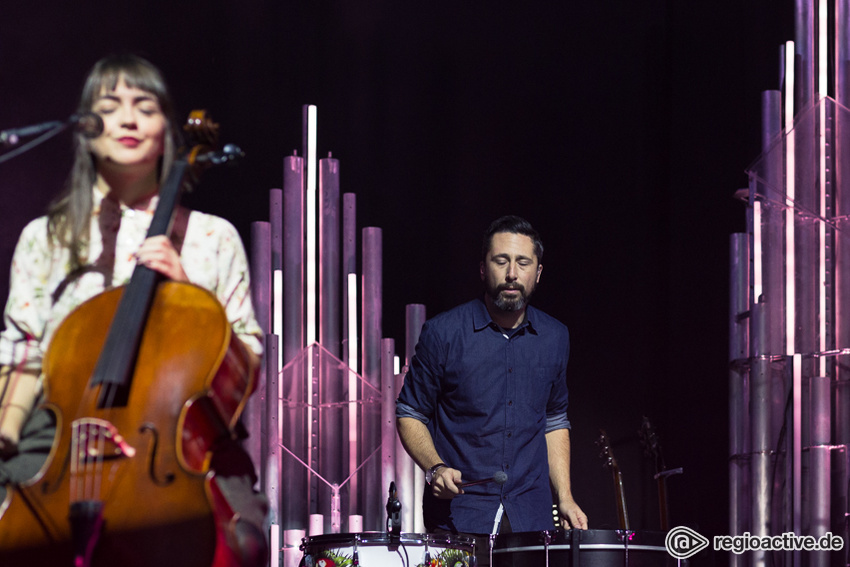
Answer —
(605, 452)
(650, 442)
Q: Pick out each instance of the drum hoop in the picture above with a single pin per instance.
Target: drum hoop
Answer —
(365, 539)
(588, 546)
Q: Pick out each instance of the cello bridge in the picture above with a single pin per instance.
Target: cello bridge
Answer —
(96, 439)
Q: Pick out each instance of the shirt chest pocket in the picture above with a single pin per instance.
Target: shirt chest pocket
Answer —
(535, 388)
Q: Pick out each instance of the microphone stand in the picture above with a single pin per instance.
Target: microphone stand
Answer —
(12, 136)
(394, 518)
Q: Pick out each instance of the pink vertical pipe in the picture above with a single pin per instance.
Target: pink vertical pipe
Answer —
(271, 478)
(261, 296)
(349, 258)
(739, 306)
(261, 273)
(841, 262)
(805, 47)
(387, 427)
(414, 319)
(330, 288)
(332, 413)
(293, 392)
(410, 479)
(293, 257)
(349, 266)
(371, 293)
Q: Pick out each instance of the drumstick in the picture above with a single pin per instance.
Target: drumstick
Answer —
(499, 477)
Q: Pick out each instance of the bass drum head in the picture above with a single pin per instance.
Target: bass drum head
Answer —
(582, 548)
(377, 549)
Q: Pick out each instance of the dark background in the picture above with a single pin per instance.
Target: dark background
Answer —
(620, 129)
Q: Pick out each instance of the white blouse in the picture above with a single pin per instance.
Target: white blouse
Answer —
(42, 292)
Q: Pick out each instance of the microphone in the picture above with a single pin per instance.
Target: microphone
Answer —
(499, 477)
(88, 124)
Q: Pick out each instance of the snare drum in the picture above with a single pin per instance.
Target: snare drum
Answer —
(376, 549)
(581, 548)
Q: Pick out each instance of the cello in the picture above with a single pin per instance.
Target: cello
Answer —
(140, 398)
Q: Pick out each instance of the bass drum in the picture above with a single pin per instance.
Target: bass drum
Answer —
(582, 548)
(377, 549)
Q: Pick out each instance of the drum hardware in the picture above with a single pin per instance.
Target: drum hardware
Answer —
(625, 537)
(575, 546)
(373, 549)
(394, 516)
(581, 548)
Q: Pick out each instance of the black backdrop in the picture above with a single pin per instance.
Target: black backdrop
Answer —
(621, 129)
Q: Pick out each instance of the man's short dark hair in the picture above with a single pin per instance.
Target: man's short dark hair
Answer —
(515, 225)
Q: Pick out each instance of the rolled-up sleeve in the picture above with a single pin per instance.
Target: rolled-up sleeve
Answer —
(421, 389)
(28, 307)
(556, 408)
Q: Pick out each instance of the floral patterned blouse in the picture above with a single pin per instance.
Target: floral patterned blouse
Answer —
(42, 292)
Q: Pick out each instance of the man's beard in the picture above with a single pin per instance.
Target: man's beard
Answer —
(513, 302)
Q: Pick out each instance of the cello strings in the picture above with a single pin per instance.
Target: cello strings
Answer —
(87, 440)
(75, 463)
(97, 476)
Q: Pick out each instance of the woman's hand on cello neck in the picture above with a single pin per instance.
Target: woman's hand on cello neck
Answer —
(158, 253)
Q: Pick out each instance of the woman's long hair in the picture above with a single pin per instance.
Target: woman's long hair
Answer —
(69, 214)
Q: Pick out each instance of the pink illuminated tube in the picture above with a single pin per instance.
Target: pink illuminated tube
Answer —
(311, 224)
(790, 149)
(352, 377)
(822, 91)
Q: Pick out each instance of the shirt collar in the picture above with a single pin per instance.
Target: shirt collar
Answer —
(481, 319)
(98, 197)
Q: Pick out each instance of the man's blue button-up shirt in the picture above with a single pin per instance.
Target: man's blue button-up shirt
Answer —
(489, 396)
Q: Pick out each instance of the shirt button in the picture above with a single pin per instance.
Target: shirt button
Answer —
(510, 369)
(509, 434)
(510, 402)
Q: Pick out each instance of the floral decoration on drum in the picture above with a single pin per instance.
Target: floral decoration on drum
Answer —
(446, 558)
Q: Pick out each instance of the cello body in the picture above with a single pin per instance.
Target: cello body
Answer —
(131, 471)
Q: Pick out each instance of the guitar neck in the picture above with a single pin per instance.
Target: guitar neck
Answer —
(611, 463)
(652, 447)
(662, 502)
(622, 513)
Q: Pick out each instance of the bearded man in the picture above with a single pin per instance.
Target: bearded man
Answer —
(485, 397)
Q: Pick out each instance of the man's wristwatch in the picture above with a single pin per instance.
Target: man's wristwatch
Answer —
(429, 474)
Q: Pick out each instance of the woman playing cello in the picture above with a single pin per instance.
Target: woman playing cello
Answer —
(90, 241)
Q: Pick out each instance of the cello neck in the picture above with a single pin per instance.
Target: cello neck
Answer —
(118, 358)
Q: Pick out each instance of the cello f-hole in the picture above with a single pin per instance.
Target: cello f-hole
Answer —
(167, 478)
(46, 488)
